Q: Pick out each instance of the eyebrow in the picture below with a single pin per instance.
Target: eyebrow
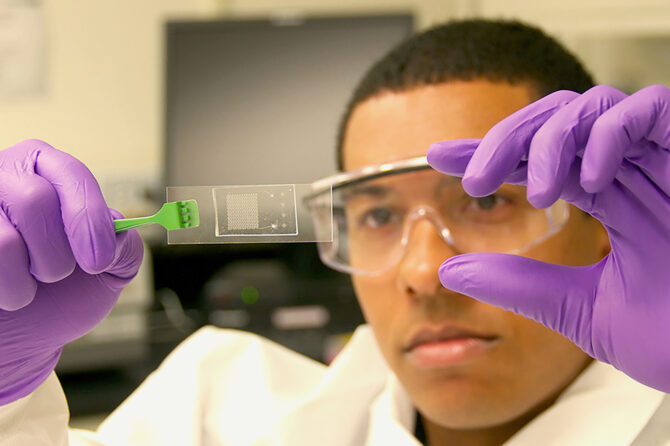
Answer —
(371, 190)
(376, 190)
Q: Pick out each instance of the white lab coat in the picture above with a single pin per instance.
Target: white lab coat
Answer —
(226, 387)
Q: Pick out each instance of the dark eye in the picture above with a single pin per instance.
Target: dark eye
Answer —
(378, 217)
(493, 208)
(488, 202)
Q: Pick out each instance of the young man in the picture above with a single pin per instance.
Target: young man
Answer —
(432, 366)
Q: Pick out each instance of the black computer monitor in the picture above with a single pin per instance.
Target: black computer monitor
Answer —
(258, 101)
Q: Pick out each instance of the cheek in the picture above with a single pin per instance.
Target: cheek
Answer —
(535, 341)
(546, 359)
(381, 307)
(375, 308)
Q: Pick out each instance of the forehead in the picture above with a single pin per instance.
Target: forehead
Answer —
(399, 125)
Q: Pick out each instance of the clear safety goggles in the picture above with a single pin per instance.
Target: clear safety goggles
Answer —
(375, 211)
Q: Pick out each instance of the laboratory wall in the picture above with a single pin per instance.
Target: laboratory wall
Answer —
(100, 96)
(101, 69)
(623, 42)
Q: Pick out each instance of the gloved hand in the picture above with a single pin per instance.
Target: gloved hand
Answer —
(607, 153)
(62, 268)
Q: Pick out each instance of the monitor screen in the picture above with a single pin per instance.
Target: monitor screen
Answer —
(259, 101)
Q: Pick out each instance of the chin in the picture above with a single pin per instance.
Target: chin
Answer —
(462, 403)
(464, 416)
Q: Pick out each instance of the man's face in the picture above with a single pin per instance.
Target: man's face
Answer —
(512, 365)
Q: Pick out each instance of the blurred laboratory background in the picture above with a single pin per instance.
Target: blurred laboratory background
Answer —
(206, 92)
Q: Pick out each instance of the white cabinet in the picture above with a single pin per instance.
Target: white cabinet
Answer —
(625, 43)
(586, 17)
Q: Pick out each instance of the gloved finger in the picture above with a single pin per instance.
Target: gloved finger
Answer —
(128, 256)
(17, 286)
(452, 158)
(628, 195)
(556, 144)
(638, 196)
(87, 221)
(654, 161)
(507, 144)
(559, 297)
(32, 206)
(645, 114)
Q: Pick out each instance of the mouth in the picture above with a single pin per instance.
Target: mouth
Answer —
(436, 347)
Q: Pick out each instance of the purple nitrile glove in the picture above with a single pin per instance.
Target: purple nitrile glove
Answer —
(62, 268)
(608, 154)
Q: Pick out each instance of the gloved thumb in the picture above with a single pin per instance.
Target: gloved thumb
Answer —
(559, 297)
(128, 254)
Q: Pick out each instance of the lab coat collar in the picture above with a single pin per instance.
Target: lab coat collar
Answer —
(603, 406)
(392, 417)
(343, 398)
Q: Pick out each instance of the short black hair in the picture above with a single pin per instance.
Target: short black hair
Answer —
(496, 50)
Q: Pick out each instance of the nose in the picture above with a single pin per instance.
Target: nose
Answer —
(426, 250)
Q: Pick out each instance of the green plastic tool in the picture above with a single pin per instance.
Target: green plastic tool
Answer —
(175, 215)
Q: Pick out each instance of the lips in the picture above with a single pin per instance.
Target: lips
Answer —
(441, 334)
(435, 347)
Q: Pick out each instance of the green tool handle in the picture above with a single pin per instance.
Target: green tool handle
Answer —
(131, 223)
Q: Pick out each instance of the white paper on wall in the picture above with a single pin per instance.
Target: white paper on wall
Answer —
(22, 52)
